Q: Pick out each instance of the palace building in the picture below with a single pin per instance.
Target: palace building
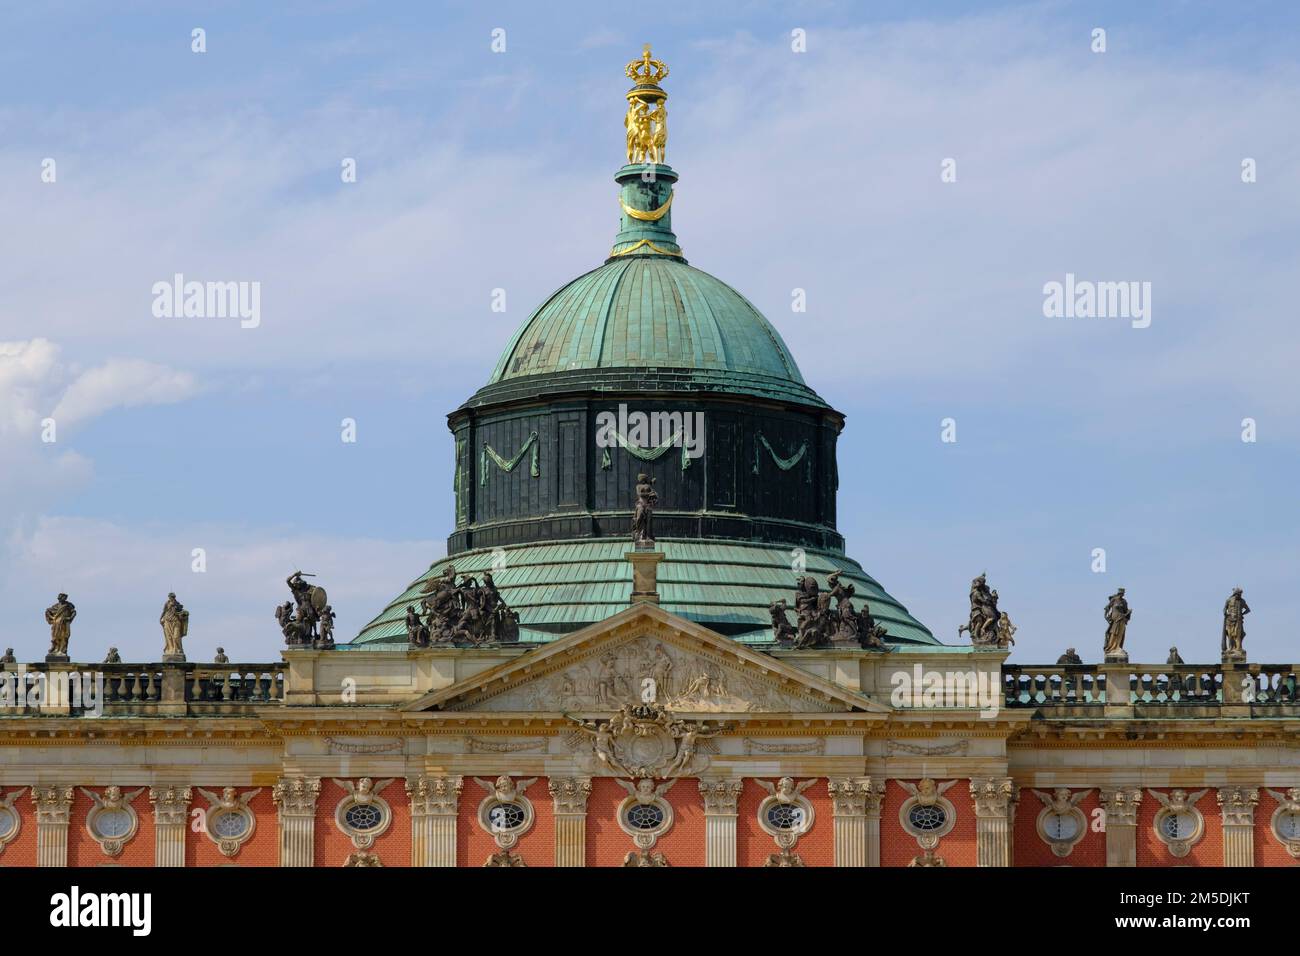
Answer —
(647, 646)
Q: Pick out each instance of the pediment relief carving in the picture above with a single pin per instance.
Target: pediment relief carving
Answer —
(649, 669)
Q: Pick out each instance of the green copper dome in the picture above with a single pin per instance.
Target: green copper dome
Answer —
(647, 312)
(646, 308)
(543, 482)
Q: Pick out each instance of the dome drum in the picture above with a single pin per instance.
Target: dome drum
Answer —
(725, 470)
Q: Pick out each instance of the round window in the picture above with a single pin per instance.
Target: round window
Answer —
(1061, 826)
(113, 823)
(1178, 826)
(363, 816)
(8, 822)
(644, 816)
(1288, 825)
(926, 818)
(229, 826)
(785, 816)
(506, 816)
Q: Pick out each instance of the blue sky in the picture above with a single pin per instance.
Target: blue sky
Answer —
(820, 170)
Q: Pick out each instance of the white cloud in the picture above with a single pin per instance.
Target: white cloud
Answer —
(122, 383)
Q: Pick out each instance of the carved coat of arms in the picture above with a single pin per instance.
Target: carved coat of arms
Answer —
(643, 740)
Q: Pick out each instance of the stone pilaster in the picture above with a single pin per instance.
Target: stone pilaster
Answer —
(434, 802)
(856, 804)
(296, 798)
(1121, 808)
(1238, 806)
(170, 822)
(53, 812)
(720, 800)
(570, 804)
(995, 809)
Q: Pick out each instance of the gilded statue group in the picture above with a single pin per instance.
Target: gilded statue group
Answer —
(825, 617)
(646, 120)
(461, 613)
(308, 619)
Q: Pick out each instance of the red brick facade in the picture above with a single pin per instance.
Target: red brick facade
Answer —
(683, 845)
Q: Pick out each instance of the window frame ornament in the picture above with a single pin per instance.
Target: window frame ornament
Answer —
(504, 790)
(643, 792)
(785, 792)
(7, 804)
(364, 793)
(1062, 802)
(1179, 801)
(230, 802)
(927, 793)
(113, 801)
(1288, 802)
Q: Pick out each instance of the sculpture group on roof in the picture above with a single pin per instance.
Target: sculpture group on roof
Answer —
(307, 620)
(825, 617)
(464, 612)
(987, 626)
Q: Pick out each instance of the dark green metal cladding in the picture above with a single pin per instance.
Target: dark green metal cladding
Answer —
(561, 586)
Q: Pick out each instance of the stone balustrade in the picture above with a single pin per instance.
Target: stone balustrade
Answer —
(1080, 689)
(169, 689)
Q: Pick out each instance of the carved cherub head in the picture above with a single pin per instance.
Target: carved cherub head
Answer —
(227, 794)
(785, 786)
(365, 785)
(112, 794)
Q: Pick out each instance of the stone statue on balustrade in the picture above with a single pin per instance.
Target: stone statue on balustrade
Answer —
(175, 621)
(59, 617)
(1118, 614)
(1235, 610)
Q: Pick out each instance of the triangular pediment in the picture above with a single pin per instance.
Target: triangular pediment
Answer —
(646, 655)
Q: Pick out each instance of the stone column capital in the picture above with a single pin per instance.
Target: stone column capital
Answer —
(993, 796)
(1238, 805)
(434, 796)
(170, 804)
(856, 796)
(1121, 805)
(296, 796)
(53, 805)
(720, 795)
(569, 794)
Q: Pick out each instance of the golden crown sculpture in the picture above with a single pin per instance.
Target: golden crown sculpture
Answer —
(647, 71)
(646, 121)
